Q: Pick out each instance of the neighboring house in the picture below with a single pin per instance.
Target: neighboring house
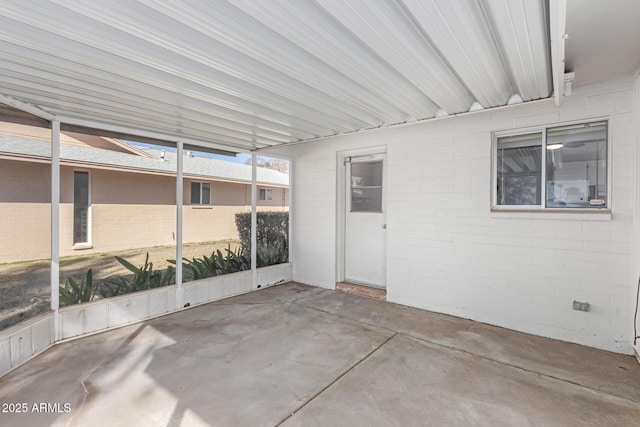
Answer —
(116, 196)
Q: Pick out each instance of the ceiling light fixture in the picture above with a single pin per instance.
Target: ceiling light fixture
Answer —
(555, 146)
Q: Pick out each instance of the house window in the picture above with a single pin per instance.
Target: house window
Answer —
(266, 194)
(80, 207)
(200, 193)
(556, 167)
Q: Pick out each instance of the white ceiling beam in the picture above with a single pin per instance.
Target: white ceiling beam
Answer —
(27, 108)
(557, 21)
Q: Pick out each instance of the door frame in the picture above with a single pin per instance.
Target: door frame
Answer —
(341, 201)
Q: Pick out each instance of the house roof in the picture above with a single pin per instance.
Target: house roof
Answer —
(201, 167)
(244, 74)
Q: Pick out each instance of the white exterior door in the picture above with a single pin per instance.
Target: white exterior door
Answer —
(365, 220)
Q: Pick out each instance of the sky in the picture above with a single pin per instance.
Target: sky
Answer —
(240, 158)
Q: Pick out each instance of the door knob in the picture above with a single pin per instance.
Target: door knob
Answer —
(384, 226)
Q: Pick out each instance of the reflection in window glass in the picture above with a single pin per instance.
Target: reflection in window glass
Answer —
(577, 166)
(519, 166)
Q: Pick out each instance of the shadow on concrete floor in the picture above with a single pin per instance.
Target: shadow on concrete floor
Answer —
(298, 355)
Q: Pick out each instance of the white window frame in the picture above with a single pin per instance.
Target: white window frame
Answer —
(200, 183)
(263, 194)
(543, 196)
(87, 244)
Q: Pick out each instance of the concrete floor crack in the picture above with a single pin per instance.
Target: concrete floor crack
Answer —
(84, 400)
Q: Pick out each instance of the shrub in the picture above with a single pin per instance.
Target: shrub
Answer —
(272, 254)
(143, 278)
(73, 292)
(272, 236)
(215, 264)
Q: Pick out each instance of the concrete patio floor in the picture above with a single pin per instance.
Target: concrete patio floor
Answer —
(295, 355)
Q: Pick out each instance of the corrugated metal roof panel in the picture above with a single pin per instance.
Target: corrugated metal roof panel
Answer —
(247, 74)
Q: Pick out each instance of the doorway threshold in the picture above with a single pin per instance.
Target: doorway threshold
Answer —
(361, 290)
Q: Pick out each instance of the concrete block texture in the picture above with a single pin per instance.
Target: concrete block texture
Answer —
(441, 225)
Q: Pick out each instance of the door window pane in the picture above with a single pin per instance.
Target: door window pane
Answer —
(366, 186)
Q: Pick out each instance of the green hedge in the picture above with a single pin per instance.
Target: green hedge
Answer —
(272, 236)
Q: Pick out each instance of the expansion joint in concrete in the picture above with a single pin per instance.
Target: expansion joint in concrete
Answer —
(338, 378)
(520, 368)
(469, 353)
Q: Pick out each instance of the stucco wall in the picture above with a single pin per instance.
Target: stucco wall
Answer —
(446, 250)
(217, 222)
(128, 210)
(25, 211)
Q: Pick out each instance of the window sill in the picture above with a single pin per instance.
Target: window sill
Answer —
(550, 213)
(201, 207)
(80, 246)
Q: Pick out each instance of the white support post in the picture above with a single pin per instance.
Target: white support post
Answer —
(55, 226)
(291, 209)
(557, 23)
(179, 199)
(254, 222)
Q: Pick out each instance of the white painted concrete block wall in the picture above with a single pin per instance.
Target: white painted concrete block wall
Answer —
(448, 252)
(636, 234)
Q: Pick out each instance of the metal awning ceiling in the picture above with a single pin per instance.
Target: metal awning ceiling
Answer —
(246, 74)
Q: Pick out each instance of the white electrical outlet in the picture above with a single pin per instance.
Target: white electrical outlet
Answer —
(580, 306)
